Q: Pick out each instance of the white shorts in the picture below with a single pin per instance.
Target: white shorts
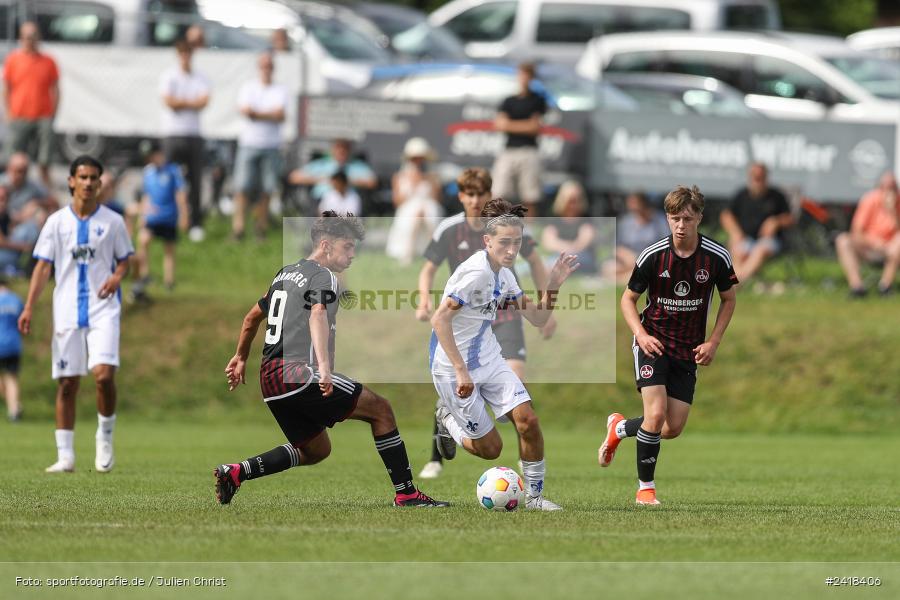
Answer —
(500, 389)
(76, 351)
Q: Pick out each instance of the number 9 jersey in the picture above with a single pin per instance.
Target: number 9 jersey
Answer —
(288, 305)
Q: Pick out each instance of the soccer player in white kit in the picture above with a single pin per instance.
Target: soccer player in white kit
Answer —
(467, 367)
(87, 245)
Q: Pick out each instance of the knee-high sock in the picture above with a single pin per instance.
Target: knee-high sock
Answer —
(393, 453)
(647, 453)
(274, 461)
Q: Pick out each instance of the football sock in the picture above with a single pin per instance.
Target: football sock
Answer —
(454, 429)
(534, 477)
(646, 485)
(647, 452)
(393, 453)
(628, 427)
(105, 427)
(65, 445)
(435, 455)
(274, 461)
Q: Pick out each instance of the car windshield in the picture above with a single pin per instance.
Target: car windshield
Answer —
(878, 76)
(424, 41)
(343, 42)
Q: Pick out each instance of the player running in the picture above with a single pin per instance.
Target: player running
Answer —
(298, 384)
(456, 239)
(678, 273)
(462, 328)
(87, 247)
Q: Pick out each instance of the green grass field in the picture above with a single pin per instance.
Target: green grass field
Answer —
(784, 476)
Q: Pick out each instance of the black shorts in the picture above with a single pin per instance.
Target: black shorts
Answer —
(303, 412)
(511, 337)
(168, 233)
(10, 364)
(679, 376)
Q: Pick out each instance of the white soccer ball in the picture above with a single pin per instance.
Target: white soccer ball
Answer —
(500, 488)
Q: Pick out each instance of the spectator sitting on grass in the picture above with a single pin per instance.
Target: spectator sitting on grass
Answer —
(340, 197)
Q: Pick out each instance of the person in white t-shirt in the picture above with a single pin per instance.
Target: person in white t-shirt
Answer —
(185, 93)
(87, 246)
(340, 197)
(257, 172)
(467, 367)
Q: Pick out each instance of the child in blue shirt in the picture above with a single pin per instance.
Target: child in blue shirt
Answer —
(10, 349)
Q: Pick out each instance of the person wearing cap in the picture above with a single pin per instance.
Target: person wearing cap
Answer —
(416, 194)
(165, 210)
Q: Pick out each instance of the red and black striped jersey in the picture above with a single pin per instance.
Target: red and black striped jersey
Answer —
(455, 241)
(288, 304)
(679, 291)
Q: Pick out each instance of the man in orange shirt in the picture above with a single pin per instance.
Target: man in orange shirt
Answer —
(874, 236)
(31, 98)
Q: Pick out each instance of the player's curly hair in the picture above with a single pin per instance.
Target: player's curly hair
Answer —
(335, 226)
(683, 197)
(499, 212)
(474, 180)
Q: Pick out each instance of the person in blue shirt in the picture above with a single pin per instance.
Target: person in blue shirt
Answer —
(164, 203)
(317, 173)
(10, 349)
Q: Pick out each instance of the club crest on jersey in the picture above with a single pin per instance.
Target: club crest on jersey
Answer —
(99, 231)
(682, 288)
(83, 254)
(702, 276)
(646, 372)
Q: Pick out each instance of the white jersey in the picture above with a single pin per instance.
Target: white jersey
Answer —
(480, 291)
(84, 253)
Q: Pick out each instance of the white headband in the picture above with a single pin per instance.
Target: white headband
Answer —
(496, 219)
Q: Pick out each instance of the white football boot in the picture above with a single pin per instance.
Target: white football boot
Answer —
(105, 460)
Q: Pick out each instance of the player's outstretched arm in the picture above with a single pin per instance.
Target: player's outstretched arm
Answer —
(539, 314)
(426, 280)
(442, 322)
(649, 344)
(706, 352)
(39, 278)
(237, 366)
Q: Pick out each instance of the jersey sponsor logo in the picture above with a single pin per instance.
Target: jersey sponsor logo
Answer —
(665, 274)
(646, 372)
(682, 288)
(83, 255)
(702, 276)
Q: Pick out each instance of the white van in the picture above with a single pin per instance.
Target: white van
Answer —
(783, 76)
(557, 30)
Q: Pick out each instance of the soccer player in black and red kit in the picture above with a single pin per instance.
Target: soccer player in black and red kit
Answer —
(297, 379)
(679, 274)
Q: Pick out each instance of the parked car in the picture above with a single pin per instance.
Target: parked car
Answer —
(406, 32)
(558, 30)
(339, 45)
(784, 76)
(489, 84)
(884, 41)
(683, 94)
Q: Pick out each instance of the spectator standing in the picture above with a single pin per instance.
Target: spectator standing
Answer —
(518, 166)
(754, 221)
(185, 93)
(317, 173)
(31, 99)
(874, 236)
(165, 209)
(10, 249)
(416, 193)
(10, 348)
(572, 232)
(263, 103)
